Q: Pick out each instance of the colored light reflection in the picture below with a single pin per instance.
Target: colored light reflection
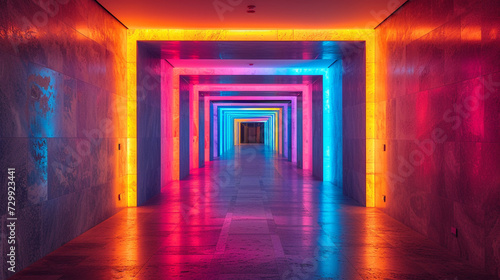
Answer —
(46, 88)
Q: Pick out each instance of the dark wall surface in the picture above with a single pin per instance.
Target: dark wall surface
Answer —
(148, 124)
(62, 116)
(317, 128)
(438, 91)
(354, 123)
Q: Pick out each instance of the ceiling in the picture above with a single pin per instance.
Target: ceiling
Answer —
(247, 54)
(232, 14)
(249, 79)
(247, 49)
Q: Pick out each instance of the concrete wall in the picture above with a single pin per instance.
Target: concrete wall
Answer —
(438, 94)
(184, 124)
(148, 123)
(289, 123)
(354, 123)
(62, 116)
(317, 129)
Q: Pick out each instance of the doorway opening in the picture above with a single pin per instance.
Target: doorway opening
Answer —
(252, 133)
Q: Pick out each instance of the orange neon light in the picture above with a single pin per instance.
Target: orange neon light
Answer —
(135, 35)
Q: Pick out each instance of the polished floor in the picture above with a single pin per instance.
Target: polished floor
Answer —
(250, 215)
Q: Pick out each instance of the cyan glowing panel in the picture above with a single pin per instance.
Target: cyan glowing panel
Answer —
(332, 125)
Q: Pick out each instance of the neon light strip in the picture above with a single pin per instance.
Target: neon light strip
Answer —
(307, 111)
(194, 121)
(305, 88)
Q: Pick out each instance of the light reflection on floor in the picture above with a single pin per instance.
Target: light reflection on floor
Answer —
(250, 215)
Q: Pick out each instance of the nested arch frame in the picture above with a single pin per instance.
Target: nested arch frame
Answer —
(307, 102)
(226, 120)
(303, 89)
(291, 99)
(135, 35)
(287, 142)
(293, 102)
(282, 125)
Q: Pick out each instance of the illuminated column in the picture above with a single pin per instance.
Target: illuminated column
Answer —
(194, 121)
(307, 124)
(370, 120)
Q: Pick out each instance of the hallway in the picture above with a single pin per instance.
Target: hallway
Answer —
(250, 215)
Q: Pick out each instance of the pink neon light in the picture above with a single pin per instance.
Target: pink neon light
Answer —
(307, 110)
(194, 127)
(307, 128)
(215, 123)
(208, 99)
(307, 114)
